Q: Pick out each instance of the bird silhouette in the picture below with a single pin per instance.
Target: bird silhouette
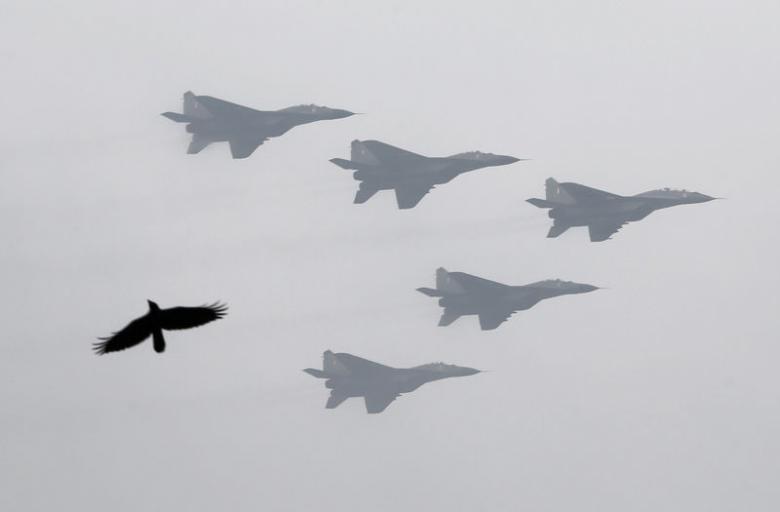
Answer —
(155, 321)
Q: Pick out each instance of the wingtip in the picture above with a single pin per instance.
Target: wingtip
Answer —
(219, 308)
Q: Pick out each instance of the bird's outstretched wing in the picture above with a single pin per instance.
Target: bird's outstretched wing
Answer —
(134, 333)
(185, 318)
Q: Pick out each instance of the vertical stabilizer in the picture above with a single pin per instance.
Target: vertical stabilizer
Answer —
(193, 108)
(555, 193)
(332, 366)
(361, 154)
(445, 283)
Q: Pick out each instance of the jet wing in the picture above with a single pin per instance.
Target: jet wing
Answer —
(244, 146)
(474, 284)
(407, 196)
(387, 153)
(222, 108)
(490, 319)
(583, 194)
(378, 402)
(601, 231)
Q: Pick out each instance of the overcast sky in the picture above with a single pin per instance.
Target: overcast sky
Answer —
(660, 393)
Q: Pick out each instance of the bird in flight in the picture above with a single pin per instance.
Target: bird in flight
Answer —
(155, 321)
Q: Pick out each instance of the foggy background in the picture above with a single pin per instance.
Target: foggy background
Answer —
(660, 393)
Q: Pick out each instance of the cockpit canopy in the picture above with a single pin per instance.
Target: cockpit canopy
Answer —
(436, 367)
(553, 283)
(475, 155)
(306, 109)
(667, 193)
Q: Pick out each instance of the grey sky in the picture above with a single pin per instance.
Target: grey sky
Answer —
(660, 393)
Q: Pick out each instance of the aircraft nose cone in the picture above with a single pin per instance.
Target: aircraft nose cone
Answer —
(589, 288)
(469, 371)
(344, 113)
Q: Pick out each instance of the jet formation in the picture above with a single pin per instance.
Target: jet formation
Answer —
(210, 120)
(463, 294)
(379, 166)
(351, 376)
(572, 204)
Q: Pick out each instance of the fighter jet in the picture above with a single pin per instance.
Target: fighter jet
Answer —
(603, 212)
(464, 294)
(214, 120)
(351, 376)
(380, 166)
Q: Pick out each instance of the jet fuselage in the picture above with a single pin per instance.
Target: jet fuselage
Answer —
(516, 298)
(433, 170)
(401, 380)
(626, 209)
(266, 124)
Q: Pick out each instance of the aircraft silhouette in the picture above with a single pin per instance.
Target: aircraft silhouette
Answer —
(213, 120)
(380, 166)
(155, 321)
(463, 294)
(351, 376)
(572, 204)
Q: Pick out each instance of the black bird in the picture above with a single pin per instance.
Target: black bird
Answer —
(155, 321)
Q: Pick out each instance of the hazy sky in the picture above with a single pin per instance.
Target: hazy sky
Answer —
(660, 393)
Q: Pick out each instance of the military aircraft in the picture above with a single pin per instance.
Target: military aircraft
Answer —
(351, 376)
(380, 166)
(463, 294)
(605, 213)
(214, 120)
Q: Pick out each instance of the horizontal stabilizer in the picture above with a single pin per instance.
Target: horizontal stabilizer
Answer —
(557, 230)
(364, 194)
(199, 142)
(335, 399)
(430, 292)
(344, 164)
(179, 118)
(541, 203)
(448, 317)
(316, 373)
